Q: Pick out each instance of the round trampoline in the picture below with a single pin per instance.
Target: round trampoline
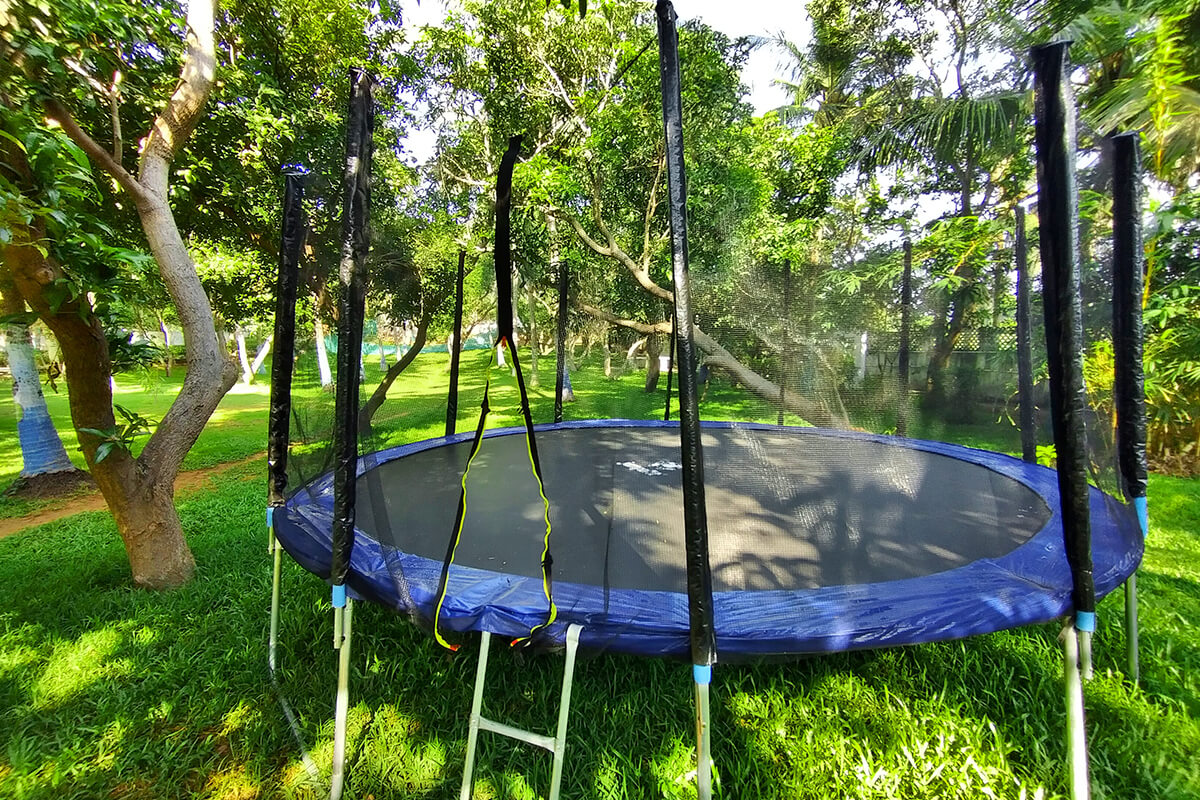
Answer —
(820, 540)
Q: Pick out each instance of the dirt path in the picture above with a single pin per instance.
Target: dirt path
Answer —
(185, 482)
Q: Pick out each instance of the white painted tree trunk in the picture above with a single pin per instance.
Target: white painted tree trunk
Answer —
(260, 357)
(42, 450)
(383, 362)
(322, 355)
(169, 360)
(243, 359)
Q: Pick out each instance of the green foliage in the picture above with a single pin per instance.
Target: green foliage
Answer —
(1172, 365)
(239, 282)
(123, 435)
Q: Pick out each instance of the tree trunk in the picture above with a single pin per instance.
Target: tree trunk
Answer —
(653, 369)
(260, 357)
(240, 336)
(811, 411)
(378, 397)
(533, 340)
(140, 498)
(139, 492)
(42, 451)
(322, 354)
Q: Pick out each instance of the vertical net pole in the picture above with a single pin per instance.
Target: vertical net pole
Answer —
(699, 576)
(903, 356)
(1024, 342)
(1054, 135)
(456, 348)
(291, 241)
(564, 280)
(786, 339)
(1128, 383)
(356, 203)
(356, 212)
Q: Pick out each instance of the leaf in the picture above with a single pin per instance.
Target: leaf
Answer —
(97, 432)
(6, 135)
(104, 450)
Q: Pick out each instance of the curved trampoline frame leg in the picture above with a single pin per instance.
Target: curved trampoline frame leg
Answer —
(341, 701)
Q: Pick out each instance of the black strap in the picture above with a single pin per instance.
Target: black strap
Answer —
(504, 324)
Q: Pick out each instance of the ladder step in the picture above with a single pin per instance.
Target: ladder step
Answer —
(536, 739)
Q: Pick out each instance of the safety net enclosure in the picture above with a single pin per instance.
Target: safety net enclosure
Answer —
(898, 444)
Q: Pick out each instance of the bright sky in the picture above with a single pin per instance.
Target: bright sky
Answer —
(739, 18)
(755, 18)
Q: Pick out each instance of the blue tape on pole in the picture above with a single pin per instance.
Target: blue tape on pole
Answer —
(702, 675)
(1143, 514)
(339, 595)
(270, 515)
(1085, 621)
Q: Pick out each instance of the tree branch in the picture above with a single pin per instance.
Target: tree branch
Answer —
(174, 125)
(632, 324)
(59, 113)
(651, 206)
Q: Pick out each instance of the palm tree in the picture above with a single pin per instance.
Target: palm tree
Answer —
(1144, 63)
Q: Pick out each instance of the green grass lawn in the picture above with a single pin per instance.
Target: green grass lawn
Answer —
(236, 430)
(109, 692)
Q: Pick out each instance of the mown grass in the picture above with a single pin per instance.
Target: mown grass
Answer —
(235, 431)
(108, 692)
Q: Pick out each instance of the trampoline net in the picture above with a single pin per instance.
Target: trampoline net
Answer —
(819, 334)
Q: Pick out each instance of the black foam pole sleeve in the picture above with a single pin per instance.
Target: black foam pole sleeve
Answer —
(291, 240)
(456, 348)
(1024, 341)
(786, 341)
(1054, 135)
(903, 356)
(695, 520)
(564, 281)
(503, 258)
(1129, 384)
(356, 213)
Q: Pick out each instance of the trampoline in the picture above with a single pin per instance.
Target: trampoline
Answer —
(713, 541)
(821, 540)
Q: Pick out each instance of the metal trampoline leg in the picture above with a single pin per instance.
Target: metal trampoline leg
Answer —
(485, 642)
(703, 742)
(1131, 627)
(564, 710)
(1077, 755)
(341, 704)
(274, 636)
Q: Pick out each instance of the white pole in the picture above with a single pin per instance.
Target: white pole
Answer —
(1077, 755)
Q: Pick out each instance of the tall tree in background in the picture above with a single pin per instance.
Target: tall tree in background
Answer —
(589, 103)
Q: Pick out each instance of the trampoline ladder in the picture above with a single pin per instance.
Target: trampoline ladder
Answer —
(555, 744)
